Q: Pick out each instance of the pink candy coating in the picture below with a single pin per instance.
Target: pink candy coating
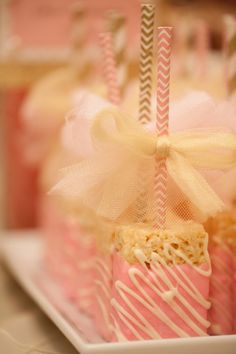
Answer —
(221, 291)
(121, 273)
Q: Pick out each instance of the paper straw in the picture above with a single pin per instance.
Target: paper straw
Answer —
(79, 26)
(81, 56)
(145, 94)
(146, 62)
(117, 26)
(202, 45)
(109, 67)
(230, 53)
(164, 37)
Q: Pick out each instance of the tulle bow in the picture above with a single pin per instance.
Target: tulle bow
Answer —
(108, 181)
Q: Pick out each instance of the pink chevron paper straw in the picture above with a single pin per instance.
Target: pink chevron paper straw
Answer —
(202, 44)
(103, 262)
(164, 37)
(109, 67)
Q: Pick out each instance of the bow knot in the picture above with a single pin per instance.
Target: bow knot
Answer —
(163, 147)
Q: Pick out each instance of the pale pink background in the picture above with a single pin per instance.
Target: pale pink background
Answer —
(46, 23)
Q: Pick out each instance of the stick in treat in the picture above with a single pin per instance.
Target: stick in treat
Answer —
(145, 91)
(79, 34)
(146, 62)
(109, 67)
(162, 122)
(117, 26)
(103, 268)
(230, 53)
(79, 30)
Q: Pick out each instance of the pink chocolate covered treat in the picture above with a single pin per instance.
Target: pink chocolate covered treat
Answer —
(85, 255)
(103, 280)
(103, 285)
(85, 273)
(53, 224)
(221, 230)
(221, 290)
(71, 242)
(160, 283)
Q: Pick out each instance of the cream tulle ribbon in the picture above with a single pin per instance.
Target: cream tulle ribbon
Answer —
(107, 181)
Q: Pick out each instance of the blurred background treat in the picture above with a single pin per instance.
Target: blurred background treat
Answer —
(37, 38)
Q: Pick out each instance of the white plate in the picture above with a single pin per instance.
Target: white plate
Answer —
(22, 252)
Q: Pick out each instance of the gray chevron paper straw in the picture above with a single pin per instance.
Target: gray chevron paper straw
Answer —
(116, 24)
(230, 53)
(82, 59)
(146, 62)
(145, 95)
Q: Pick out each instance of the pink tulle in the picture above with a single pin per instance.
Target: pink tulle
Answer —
(76, 132)
(199, 110)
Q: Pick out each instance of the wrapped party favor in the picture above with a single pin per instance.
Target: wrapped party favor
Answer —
(107, 182)
(44, 114)
(76, 141)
